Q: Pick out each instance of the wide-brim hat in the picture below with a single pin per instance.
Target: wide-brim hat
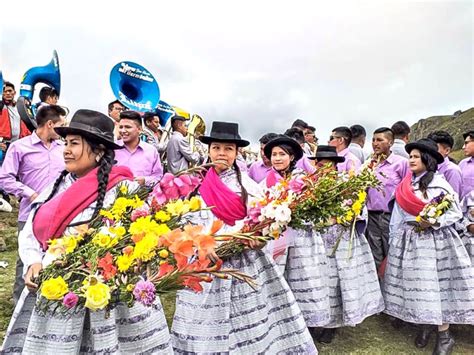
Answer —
(428, 146)
(283, 140)
(92, 125)
(327, 152)
(224, 132)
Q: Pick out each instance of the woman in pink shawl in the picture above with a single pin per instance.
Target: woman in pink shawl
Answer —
(229, 316)
(76, 197)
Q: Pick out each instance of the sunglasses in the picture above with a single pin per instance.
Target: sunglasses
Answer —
(331, 138)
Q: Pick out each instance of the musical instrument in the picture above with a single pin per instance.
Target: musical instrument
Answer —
(134, 86)
(48, 74)
(196, 128)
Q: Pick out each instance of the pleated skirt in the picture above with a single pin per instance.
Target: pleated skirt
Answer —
(135, 330)
(305, 268)
(230, 317)
(354, 289)
(429, 278)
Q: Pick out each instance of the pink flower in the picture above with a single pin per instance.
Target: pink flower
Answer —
(140, 212)
(254, 213)
(144, 292)
(159, 195)
(296, 185)
(70, 300)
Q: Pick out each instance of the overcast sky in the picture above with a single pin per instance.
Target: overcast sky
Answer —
(260, 63)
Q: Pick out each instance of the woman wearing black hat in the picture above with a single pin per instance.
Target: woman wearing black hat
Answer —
(229, 316)
(76, 197)
(354, 288)
(429, 278)
(300, 253)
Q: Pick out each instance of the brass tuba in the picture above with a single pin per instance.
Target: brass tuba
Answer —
(134, 86)
(48, 74)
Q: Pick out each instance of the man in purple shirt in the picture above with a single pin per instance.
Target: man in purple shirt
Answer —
(340, 138)
(31, 163)
(451, 171)
(142, 158)
(467, 165)
(259, 169)
(391, 169)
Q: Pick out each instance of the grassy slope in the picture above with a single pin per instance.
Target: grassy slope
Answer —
(373, 336)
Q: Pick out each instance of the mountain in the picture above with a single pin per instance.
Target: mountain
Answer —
(456, 124)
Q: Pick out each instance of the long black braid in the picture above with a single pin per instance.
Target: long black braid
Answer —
(244, 194)
(431, 168)
(105, 166)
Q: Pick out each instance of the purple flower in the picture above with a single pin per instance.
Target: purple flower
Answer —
(144, 292)
(70, 300)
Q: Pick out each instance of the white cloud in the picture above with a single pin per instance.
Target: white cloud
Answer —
(261, 63)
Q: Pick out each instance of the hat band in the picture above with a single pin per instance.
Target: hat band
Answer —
(90, 129)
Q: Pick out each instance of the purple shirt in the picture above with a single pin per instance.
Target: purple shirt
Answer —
(30, 166)
(258, 171)
(452, 173)
(305, 164)
(467, 170)
(351, 162)
(394, 169)
(143, 162)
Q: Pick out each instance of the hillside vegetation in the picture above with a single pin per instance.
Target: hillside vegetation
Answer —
(455, 124)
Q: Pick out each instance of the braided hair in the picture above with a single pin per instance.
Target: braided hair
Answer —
(105, 164)
(244, 194)
(431, 168)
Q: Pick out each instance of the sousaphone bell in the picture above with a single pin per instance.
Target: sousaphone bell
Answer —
(49, 75)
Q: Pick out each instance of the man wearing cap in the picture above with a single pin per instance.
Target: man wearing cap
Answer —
(467, 165)
(140, 157)
(31, 164)
(451, 171)
(179, 153)
(390, 170)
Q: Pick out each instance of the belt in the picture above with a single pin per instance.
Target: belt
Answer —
(379, 212)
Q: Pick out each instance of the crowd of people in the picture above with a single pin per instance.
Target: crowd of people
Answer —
(412, 269)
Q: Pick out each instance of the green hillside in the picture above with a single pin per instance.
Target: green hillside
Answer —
(455, 124)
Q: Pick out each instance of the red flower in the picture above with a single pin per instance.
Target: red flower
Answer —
(193, 282)
(165, 269)
(107, 266)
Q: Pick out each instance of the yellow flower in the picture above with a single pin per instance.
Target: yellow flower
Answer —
(163, 253)
(418, 218)
(70, 243)
(177, 208)
(124, 262)
(130, 287)
(123, 189)
(357, 207)
(146, 226)
(195, 203)
(136, 202)
(54, 289)
(362, 196)
(97, 296)
(107, 214)
(349, 215)
(162, 216)
(102, 240)
(145, 248)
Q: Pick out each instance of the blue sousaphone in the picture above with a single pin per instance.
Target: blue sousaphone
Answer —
(49, 75)
(134, 86)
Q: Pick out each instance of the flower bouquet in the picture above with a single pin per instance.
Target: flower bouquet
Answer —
(435, 209)
(139, 247)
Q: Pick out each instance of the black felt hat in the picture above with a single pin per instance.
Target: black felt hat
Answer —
(428, 146)
(327, 152)
(92, 125)
(224, 132)
(297, 150)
